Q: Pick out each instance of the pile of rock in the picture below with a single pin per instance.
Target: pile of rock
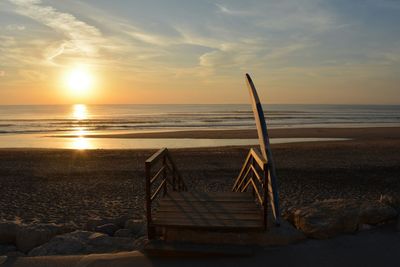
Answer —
(100, 236)
(328, 218)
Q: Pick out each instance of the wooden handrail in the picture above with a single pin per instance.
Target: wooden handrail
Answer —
(157, 156)
(246, 178)
(169, 175)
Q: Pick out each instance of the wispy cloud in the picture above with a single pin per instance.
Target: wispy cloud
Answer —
(15, 27)
(79, 37)
(225, 10)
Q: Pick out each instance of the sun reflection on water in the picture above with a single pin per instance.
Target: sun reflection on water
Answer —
(80, 112)
(79, 142)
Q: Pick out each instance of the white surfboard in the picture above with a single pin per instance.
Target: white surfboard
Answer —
(265, 148)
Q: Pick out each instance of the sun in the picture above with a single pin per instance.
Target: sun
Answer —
(79, 81)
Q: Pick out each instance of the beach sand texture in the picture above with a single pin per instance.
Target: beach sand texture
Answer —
(61, 186)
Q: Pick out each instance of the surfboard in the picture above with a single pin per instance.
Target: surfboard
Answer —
(265, 148)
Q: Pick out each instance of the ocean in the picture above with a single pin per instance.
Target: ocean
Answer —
(31, 126)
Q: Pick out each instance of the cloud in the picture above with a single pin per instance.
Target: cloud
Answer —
(15, 27)
(80, 38)
(225, 10)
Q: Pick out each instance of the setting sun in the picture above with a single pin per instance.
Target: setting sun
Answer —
(79, 81)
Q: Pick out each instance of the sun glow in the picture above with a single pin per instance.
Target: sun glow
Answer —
(79, 81)
(79, 112)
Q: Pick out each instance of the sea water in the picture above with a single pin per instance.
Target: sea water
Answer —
(32, 126)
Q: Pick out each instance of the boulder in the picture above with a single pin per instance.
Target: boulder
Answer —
(8, 232)
(392, 201)
(327, 218)
(376, 212)
(3, 259)
(31, 236)
(124, 233)
(120, 221)
(91, 224)
(83, 242)
(137, 227)
(108, 229)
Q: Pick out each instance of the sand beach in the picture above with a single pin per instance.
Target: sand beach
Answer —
(71, 186)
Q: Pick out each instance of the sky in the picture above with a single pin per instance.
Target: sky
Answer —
(197, 51)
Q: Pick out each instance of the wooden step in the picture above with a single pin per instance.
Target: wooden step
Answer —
(196, 196)
(227, 210)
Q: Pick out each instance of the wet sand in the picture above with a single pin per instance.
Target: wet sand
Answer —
(46, 185)
(358, 133)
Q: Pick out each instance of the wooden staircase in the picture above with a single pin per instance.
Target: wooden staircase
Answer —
(171, 208)
(237, 217)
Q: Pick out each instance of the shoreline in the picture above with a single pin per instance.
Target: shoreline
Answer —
(350, 133)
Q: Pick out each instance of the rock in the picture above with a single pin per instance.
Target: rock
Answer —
(392, 201)
(108, 229)
(31, 236)
(83, 242)
(137, 227)
(8, 232)
(93, 223)
(376, 212)
(288, 215)
(3, 259)
(124, 233)
(120, 221)
(327, 218)
(5, 249)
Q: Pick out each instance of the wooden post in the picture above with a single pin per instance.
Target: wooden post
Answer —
(150, 234)
(251, 177)
(174, 178)
(265, 193)
(164, 162)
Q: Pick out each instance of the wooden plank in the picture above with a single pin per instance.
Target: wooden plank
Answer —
(156, 156)
(260, 180)
(163, 183)
(207, 209)
(258, 158)
(257, 192)
(254, 212)
(209, 194)
(246, 162)
(222, 216)
(221, 224)
(207, 199)
(215, 205)
(157, 175)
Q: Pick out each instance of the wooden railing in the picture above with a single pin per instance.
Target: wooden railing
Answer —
(170, 177)
(254, 173)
